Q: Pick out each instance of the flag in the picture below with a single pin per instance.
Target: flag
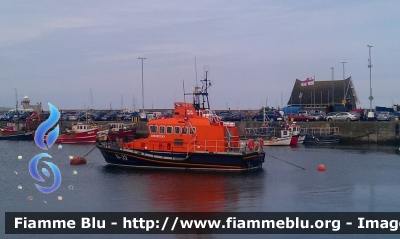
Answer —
(311, 81)
(308, 81)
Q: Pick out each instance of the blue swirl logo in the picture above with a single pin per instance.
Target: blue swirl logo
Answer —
(35, 174)
(45, 126)
(39, 141)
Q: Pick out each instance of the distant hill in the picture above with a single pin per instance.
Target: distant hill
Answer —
(4, 109)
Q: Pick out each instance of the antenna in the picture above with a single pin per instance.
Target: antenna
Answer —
(184, 93)
(371, 98)
(91, 99)
(16, 108)
(184, 96)
(195, 68)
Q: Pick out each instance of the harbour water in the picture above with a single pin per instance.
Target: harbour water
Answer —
(358, 178)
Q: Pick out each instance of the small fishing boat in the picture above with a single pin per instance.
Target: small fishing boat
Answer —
(16, 131)
(194, 138)
(297, 138)
(282, 135)
(117, 130)
(324, 135)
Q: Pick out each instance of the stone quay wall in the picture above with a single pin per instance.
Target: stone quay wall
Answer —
(371, 132)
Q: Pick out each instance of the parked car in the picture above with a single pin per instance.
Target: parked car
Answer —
(85, 117)
(22, 116)
(3, 117)
(238, 116)
(73, 117)
(225, 116)
(275, 115)
(100, 114)
(330, 115)
(346, 116)
(8, 116)
(109, 117)
(397, 115)
(122, 115)
(132, 115)
(316, 116)
(164, 116)
(300, 117)
(385, 116)
(259, 117)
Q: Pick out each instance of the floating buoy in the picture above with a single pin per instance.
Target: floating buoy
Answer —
(78, 160)
(321, 167)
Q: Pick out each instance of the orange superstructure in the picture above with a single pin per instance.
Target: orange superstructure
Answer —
(187, 131)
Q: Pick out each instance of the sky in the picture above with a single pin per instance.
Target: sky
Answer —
(84, 54)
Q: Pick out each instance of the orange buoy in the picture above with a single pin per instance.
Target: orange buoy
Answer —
(321, 167)
(78, 160)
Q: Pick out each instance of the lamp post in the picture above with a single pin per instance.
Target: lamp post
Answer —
(344, 82)
(142, 58)
(333, 86)
(370, 86)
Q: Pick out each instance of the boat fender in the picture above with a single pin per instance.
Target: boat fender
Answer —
(121, 142)
(250, 144)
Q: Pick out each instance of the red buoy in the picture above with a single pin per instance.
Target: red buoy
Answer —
(321, 167)
(78, 160)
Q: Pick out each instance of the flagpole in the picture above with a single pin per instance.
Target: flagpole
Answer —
(314, 92)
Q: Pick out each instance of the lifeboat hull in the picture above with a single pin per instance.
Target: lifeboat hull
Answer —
(195, 161)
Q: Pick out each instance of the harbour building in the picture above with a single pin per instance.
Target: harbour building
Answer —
(312, 94)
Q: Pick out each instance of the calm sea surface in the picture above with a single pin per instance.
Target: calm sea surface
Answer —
(358, 178)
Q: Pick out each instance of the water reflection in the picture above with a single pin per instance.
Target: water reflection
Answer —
(191, 191)
(360, 148)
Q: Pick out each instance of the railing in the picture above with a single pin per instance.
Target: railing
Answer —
(261, 131)
(223, 146)
(321, 130)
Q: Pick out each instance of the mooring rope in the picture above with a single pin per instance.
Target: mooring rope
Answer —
(285, 161)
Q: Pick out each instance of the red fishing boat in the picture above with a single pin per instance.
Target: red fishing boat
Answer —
(80, 133)
(194, 138)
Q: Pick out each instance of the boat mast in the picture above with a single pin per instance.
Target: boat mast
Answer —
(200, 95)
(16, 108)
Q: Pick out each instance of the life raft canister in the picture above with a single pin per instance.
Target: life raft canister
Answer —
(250, 144)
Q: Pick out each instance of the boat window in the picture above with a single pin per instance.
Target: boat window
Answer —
(177, 130)
(162, 129)
(192, 130)
(169, 129)
(153, 128)
(184, 130)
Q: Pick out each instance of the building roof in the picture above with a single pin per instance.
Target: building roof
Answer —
(320, 93)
